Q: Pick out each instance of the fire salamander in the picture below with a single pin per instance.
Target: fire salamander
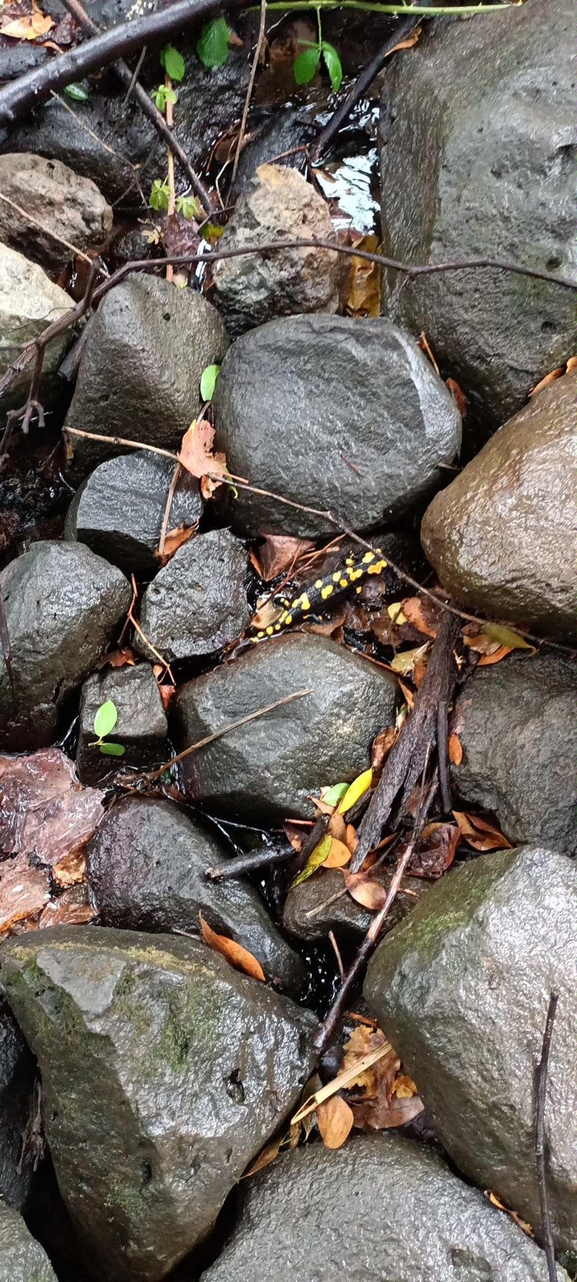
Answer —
(325, 591)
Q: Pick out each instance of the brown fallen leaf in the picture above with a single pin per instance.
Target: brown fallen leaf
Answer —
(479, 833)
(72, 869)
(381, 1114)
(338, 827)
(196, 455)
(45, 810)
(404, 1087)
(362, 1042)
(365, 890)
(409, 696)
(455, 750)
(23, 891)
(173, 541)
(118, 659)
(406, 44)
(72, 908)
(549, 378)
(571, 364)
(238, 956)
(351, 838)
(406, 660)
(266, 615)
(364, 298)
(266, 1156)
(500, 653)
(436, 850)
(29, 27)
(458, 396)
(335, 1120)
(526, 1228)
(296, 835)
(339, 854)
(381, 747)
(278, 553)
(343, 1080)
(421, 613)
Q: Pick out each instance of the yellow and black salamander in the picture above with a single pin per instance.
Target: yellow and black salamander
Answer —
(325, 592)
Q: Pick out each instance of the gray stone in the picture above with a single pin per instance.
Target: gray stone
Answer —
(339, 414)
(501, 536)
(140, 369)
(197, 603)
(516, 722)
(57, 198)
(277, 204)
(141, 727)
(146, 870)
(62, 604)
(17, 1073)
(164, 1072)
(279, 134)
(22, 1259)
(462, 990)
(344, 916)
(29, 301)
(266, 769)
(477, 161)
(382, 1209)
(119, 509)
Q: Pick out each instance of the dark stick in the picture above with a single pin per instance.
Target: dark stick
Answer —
(33, 87)
(416, 740)
(443, 755)
(155, 116)
(328, 1026)
(404, 29)
(540, 1103)
(247, 863)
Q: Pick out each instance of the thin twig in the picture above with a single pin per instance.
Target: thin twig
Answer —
(142, 635)
(217, 734)
(337, 953)
(443, 755)
(242, 864)
(48, 231)
(167, 509)
(540, 1138)
(252, 78)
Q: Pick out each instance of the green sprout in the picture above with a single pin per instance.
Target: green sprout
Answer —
(105, 721)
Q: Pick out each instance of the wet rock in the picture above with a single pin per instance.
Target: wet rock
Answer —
(480, 164)
(382, 1207)
(197, 603)
(22, 1259)
(56, 197)
(141, 727)
(309, 913)
(277, 204)
(62, 605)
(140, 369)
(146, 870)
(335, 414)
(501, 536)
(164, 1071)
(281, 132)
(29, 301)
(462, 989)
(266, 769)
(516, 722)
(119, 510)
(17, 1075)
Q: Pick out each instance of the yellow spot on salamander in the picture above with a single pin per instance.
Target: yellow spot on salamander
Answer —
(318, 583)
(356, 574)
(304, 602)
(336, 576)
(359, 589)
(378, 567)
(368, 557)
(350, 560)
(287, 620)
(269, 631)
(343, 583)
(325, 592)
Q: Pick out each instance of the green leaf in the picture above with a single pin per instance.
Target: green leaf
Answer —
(173, 62)
(208, 382)
(112, 749)
(77, 92)
(506, 636)
(306, 64)
(159, 195)
(188, 206)
(105, 719)
(333, 65)
(333, 795)
(314, 861)
(162, 95)
(212, 47)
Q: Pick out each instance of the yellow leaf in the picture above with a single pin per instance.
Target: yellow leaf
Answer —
(355, 791)
(395, 612)
(406, 660)
(335, 1119)
(238, 956)
(314, 861)
(506, 636)
(28, 28)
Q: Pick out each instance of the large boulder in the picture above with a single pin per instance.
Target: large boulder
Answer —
(516, 722)
(164, 1071)
(147, 871)
(381, 1209)
(17, 1073)
(197, 603)
(29, 302)
(141, 726)
(119, 509)
(57, 198)
(267, 768)
(22, 1259)
(462, 989)
(334, 414)
(141, 366)
(501, 536)
(62, 604)
(277, 204)
(477, 161)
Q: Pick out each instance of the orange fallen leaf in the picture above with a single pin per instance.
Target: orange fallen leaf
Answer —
(118, 659)
(406, 44)
(404, 1087)
(167, 693)
(278, 553)
(365, 890)
(421, 615)
(571, 364)
(335, 1121)
(455, 750)
(409, 696)
(173, 541)
(514, 1216)
(458, 396)
(549, 378)
(196, 455)
(501, 653)
(420, 672)
(27, 28)
(71, 870)
(351, 838)
(480, 834)
(238, 956)
(339, 855)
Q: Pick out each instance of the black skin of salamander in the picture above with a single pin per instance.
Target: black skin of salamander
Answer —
(325, 592)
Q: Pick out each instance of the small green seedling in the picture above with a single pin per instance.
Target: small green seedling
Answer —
(208, 382)
(77, 92)
(162, 95)
(307, 63)
(105, 721)
(212, 47)
(173, 62)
